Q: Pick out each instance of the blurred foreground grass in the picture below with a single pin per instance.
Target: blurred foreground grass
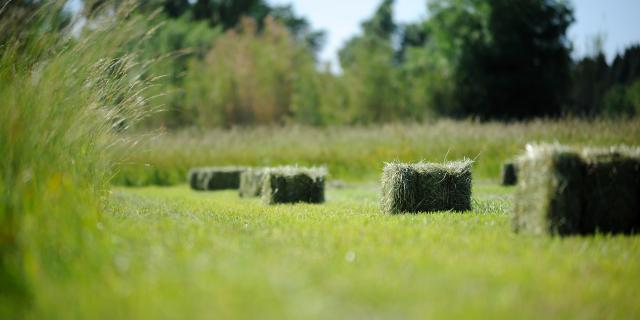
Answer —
(358, 153)
(178, 253)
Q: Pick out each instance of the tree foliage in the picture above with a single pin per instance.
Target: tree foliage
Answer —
(510, 59)
(486, 59)
(252, 77)
(602, 89)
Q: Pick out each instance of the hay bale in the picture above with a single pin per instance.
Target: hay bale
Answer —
(568, 191)
(197, 179)
(424, 187)
(215, 178)
(509, 173)
(548, 198)
(192, 178)
(612, 192)
(293, 184)
(251, 183)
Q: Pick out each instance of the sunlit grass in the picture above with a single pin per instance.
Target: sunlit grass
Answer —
(359, 153)
(186, 254)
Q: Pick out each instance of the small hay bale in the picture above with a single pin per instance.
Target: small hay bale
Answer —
(220, 178)
(251, 183)
(509, 174)
(565, 191)
(426, 187)
(215, 178)
(612, 193)
(548, 198)
(197, 179)
(293, 184)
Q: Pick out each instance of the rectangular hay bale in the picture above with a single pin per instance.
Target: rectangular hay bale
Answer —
(612, 192)
(426, 187)
(215, 178)
(293, 184)
(548, 196)
(565, 191)
(509, 173)
(196, 179)
(251, 183)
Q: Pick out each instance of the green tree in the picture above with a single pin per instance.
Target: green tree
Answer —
(589, 83)
(509, 59)
(170, 48)
(252, 77)
(525, 69)
(370, 75)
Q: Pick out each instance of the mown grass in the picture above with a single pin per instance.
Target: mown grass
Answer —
(185, 254)
(359, 153)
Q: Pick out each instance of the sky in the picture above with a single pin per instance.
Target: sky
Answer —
(617, 20)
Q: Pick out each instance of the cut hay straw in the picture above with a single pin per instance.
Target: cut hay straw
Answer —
(426, 187)
(215, 178)
(251, 183)
(566, 191)
(291, 184)
(509, 173)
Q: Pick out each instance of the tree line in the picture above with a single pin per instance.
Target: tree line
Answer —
(244, 62)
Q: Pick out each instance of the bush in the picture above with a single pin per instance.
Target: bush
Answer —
(252, 77)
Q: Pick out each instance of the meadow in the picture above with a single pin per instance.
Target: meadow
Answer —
(358, 153)
(178, 253)
(174, 252)
(96, 219)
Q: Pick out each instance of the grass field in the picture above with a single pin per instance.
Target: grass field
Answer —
(179, 253)
(358, 153)
(74, 246)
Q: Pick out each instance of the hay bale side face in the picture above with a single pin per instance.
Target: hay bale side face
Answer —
(192, 177)
(444, 187)
(612, 193)
(251, 183)
(399, 188)
(509, 174)
(198, 179)
(548, 198)
(215, 178)
(426, 187)
(223, 178)
(291, 185)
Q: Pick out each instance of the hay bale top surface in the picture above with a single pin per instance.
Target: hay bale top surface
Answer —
(540, 151)
(452, 167)
(221, 169)
(608, 154)
(588, 154)
(313, 172)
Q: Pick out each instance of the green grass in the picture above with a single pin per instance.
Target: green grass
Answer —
(179, 253)
(70, 248)
(359, 153)
(60, 100)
